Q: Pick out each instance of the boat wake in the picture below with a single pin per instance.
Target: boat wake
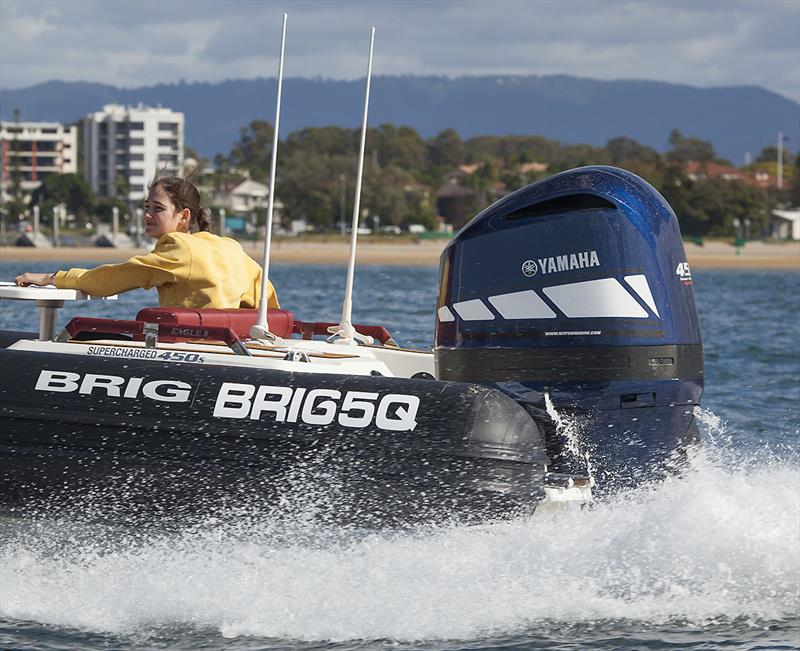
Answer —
(718, 543)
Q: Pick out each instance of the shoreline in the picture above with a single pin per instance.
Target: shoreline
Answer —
(721, 255)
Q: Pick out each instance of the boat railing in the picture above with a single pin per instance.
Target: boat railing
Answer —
(151, 333)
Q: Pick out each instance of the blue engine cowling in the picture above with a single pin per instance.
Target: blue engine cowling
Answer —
(577, 288)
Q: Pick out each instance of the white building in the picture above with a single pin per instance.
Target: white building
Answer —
(243, 197)
(34, 150)
(785, 224)
(127, 145)
(240, 202)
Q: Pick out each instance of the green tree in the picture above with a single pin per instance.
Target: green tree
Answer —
(710, 206)
(400, 147)
(677, 189)
(314, 159)
(573, 156)
(403, 173)
(446, 149)
(308, 187)
(684, 149)
(103, 207)
(68, 189)
(393, 195)
(325, 141)
(627, 150)
(512, 150)
(795, 192)
(770, 155)
(224, 173)
(253, 151)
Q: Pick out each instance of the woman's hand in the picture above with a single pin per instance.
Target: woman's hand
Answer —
(34, 279)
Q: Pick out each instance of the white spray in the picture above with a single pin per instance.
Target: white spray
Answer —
(570, 432)
(715, 544)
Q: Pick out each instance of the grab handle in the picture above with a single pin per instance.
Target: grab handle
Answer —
(141, 330)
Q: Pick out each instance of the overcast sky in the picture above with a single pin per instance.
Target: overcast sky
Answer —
(133, 43)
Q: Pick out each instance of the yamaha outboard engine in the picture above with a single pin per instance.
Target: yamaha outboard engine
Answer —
(574, 297)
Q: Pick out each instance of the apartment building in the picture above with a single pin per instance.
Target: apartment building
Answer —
(30, 151)
(124, 146)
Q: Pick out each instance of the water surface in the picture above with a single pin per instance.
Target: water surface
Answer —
(710, 560)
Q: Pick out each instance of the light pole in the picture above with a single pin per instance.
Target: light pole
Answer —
(341, 203)
(56, 225)
(35, 232)
(114, 224)
(780, 160)
(139, 226)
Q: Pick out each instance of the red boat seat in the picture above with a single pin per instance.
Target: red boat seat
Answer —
(281, 322)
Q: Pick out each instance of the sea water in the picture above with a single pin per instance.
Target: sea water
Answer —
(708, 560)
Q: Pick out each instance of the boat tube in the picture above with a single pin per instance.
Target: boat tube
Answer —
(569, 300)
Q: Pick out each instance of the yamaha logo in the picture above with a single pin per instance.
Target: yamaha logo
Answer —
(563, 262)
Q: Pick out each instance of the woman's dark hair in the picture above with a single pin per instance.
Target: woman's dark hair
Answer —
(184, 194)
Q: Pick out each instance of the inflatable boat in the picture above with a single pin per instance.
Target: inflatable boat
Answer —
(567, 360)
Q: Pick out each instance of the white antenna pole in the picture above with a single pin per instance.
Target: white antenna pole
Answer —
(345, 331)
(261, 329)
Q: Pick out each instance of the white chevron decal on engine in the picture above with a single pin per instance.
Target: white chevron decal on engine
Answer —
(639, 284)
(521, 305)
(473, 310)
(445, 314)
(605, 297)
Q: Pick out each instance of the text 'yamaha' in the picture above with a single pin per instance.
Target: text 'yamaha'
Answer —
(568, 261)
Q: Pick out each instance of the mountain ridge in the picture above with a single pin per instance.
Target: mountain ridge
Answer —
(735, 119)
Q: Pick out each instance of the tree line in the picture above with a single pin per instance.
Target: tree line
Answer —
(404, 173)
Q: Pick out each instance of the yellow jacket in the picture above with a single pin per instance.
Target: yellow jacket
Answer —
(189, 270)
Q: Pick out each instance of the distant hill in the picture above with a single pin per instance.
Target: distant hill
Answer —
(736, 119)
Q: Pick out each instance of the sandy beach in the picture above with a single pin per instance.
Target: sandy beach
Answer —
(754, 255)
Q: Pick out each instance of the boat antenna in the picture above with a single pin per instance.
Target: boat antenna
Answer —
(261, 329)
(345, 333)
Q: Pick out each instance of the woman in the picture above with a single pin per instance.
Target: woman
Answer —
(189, 266)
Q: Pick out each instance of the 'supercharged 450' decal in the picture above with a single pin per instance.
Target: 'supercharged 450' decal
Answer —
(143, 353)
(394, 411)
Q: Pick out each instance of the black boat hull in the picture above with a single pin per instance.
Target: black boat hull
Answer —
(129, 439)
